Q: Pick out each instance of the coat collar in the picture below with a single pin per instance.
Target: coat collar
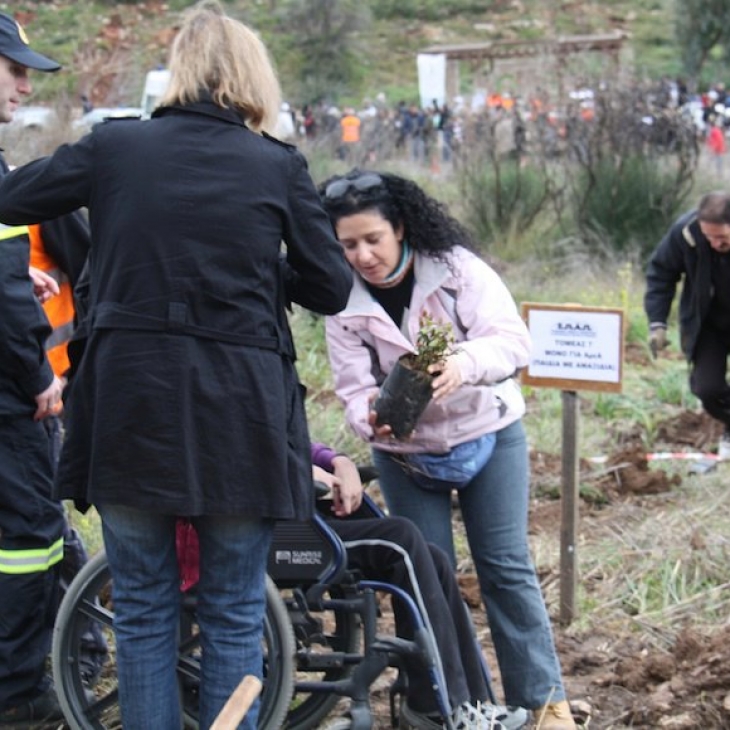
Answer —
(204, 106)
(688, 230)
(430, 274)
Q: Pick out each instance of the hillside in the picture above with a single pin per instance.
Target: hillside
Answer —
(107, 48)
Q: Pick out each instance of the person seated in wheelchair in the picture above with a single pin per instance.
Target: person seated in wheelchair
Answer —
(392, 549)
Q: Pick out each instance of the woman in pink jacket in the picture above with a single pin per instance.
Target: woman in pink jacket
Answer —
(411, 257)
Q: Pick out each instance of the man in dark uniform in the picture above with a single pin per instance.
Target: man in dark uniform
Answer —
(31, 522)
(697, 247)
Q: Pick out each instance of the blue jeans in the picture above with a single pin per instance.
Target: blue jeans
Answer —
(494, 508)
(140, 547)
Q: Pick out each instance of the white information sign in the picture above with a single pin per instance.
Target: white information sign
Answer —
(575, 347)
(431, 78)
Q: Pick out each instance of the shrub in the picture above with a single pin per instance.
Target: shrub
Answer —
(434, 343)
(628, 203)
(629, 164)
(500, 197)
(424, 10)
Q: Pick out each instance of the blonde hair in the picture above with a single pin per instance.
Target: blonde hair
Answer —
(216, 54)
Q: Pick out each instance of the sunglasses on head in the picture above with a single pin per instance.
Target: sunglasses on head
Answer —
(366, 181)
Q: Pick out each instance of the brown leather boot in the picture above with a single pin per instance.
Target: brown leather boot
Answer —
(554, 716)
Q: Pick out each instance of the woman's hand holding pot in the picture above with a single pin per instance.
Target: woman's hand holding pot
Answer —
(448, 379)
(380, 431)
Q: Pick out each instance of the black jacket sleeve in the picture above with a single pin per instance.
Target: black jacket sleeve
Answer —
(23, 324)
(319, 277)
(49, 187)
(666, 267)
(67, 241)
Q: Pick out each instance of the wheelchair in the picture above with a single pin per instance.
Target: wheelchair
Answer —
(320, 640)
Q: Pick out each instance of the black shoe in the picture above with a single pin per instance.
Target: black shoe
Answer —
(39, 710)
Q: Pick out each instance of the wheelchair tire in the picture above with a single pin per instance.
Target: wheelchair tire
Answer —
(91, 703)
(308, 710)
(279, 650)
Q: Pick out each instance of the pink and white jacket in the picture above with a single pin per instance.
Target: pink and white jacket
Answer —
(493, 343)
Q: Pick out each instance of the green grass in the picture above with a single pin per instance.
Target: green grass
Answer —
(88, 526)
(664, 563)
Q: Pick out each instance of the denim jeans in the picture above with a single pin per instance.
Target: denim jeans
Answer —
(140, 547)
(494, 507)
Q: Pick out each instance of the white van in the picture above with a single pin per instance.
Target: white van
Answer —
(155, 86)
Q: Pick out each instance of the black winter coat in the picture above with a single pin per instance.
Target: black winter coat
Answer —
(186, 400)
(24, 368)
(683, 252)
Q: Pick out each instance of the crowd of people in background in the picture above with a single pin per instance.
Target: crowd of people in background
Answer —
(379, 131)
(433, 133)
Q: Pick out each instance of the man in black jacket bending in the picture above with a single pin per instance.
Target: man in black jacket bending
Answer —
(697, 247)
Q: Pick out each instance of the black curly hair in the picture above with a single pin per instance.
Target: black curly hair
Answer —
(428, 226)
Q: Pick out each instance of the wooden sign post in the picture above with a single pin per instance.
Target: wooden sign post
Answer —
(573, 348)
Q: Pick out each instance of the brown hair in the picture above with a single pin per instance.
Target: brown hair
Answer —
(216, 54)
(714, 208)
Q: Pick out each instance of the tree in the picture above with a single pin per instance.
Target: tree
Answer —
(325, 41)
(701, 26)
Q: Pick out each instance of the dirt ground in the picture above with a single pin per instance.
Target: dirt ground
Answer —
(620, 681)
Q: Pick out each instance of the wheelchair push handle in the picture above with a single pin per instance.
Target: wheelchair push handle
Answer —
(368, 472)
(238, 704)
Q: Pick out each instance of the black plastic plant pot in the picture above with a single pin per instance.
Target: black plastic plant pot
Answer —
(403, 398)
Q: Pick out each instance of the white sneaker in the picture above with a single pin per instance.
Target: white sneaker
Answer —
(723, 447)
(465, 717)
(511, 718)
(468, 717)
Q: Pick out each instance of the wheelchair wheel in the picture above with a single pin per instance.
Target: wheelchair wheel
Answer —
(336, 632)
(89, 697)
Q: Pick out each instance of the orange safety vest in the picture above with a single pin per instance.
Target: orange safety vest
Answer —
(58, 309)
(350, 129)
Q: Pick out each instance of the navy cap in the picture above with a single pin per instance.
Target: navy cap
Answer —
(14, 45)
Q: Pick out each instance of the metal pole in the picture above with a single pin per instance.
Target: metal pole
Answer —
(569, 504)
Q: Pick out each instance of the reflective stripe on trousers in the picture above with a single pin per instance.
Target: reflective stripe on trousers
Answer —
(37, 560)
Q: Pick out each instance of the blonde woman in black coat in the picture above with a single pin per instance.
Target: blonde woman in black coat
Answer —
(186, 401)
